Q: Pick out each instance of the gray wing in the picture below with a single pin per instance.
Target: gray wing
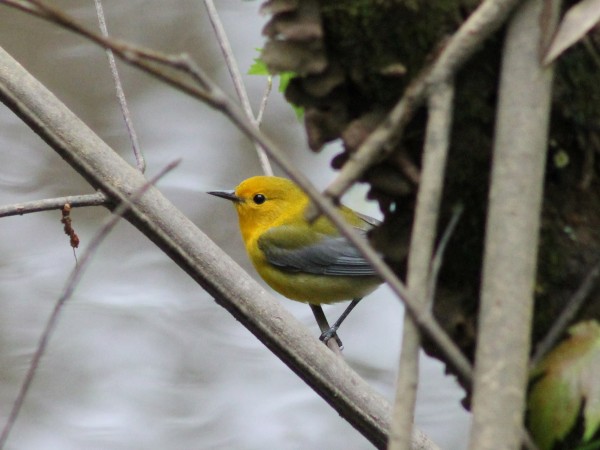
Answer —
(284, 248)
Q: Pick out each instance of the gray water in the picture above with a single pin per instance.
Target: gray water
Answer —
(142, 357)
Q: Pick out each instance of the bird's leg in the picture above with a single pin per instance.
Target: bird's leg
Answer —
(324, 325)
(328, 334)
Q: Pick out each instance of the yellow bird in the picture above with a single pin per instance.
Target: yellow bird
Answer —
(307, 262)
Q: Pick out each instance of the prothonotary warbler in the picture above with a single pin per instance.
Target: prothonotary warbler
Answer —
(307, 262)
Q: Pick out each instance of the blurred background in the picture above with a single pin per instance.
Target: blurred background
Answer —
(142, 357)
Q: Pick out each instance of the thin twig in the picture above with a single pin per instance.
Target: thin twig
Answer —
(573, 306)
(236, 76)
(437, 141)
(263, 102)
(75, 201)
(486, 19)
(135, 145)
(152, 62)
(166, 226)
(213, 96)
(438, 257)
(70, 286)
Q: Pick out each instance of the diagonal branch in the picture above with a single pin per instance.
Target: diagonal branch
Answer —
(205, 262)
(190, 79)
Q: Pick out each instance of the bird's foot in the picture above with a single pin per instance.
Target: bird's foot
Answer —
(331, 333)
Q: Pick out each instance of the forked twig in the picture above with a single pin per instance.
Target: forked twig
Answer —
(236, 76)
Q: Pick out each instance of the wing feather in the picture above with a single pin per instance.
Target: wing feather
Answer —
(286, 247)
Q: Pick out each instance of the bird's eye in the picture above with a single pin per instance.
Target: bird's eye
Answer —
(259, 199)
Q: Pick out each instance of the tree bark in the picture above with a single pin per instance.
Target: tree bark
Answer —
(512, 233)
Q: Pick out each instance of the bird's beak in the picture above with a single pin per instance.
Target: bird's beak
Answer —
(229, 195)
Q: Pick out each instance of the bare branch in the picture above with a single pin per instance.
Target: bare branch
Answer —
(135, 145)
(178, 70)
(422, 241)
(76, 201)
(197, 84)
(486, 19)
(236, 76)
(265, 98)
(205, 262)
(70, 286)
(512, 233)
(438, 257)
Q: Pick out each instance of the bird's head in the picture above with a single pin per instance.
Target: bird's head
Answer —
(263, 202)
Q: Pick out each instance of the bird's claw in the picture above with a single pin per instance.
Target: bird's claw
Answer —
(331, 333)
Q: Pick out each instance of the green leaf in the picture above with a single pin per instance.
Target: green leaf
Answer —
(284, 80)
(569, 379)
(258, 67)
(553, 410)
